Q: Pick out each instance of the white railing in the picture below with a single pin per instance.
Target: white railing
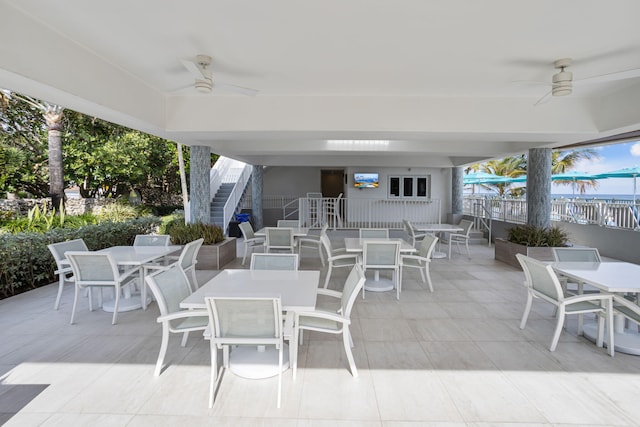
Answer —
(363, 213)
(607, 214)
(225, 170)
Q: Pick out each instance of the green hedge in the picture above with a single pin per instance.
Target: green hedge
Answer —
(25, 260)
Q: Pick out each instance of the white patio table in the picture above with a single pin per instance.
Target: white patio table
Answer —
(355, 245)
(134, 256)
(297, 231)
(610, 277)
(437, 229)
(297, 290)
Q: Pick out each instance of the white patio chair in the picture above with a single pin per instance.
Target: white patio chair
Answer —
(382, 255)
(412, 232)
(250, 240)
(64, 272)
(279, 239)
(369, 233)
(336, 258)
(542, 283)
(244, 321)
(462, 237)
(274, 262)
(575, 255)
(169, 288)
(188, 260)
(313, 242)
(288, 223)
(152, 240)
(331, 322)
(331, 211)
(93, 269)
(421, 260)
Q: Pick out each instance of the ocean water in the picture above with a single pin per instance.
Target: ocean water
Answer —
(605, 197)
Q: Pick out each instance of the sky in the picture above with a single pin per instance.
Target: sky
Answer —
(610, 158)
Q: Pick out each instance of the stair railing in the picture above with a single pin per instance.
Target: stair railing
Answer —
(240, 176)
(482, 216)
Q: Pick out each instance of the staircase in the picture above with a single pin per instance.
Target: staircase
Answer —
(477, 237)
(218, 202)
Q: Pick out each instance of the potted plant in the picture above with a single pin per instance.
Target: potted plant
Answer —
(216, 251)
(529, 240)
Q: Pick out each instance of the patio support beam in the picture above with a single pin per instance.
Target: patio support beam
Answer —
(256, 196)
(200, 168)
(539, 187)
(457, 189)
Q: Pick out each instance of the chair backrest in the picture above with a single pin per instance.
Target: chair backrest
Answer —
(245, 320)
(247, 230)
(169, 288)
(274, 262)
(427, 245)
(93, 268)
(541, 278)
(189, 254)
(382, 233)
(466, 226)
(576, 254)
(408, 228)
(380, 254)
(326, 242)
(152, 240)
(58, 249)
(279, 237)
(352, 286)
(291, 223)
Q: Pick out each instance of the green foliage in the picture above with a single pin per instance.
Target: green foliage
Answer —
(529, 235)
(182, 233)
(25, 260)
(118, 212)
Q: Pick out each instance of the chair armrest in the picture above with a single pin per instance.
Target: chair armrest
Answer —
(464, 236)
(63, 270)
(308, 240)
(255, 239)
(345, 256)
(323, 315)
(416, 257)
(329, 293)
(182, 315)
(589, 297)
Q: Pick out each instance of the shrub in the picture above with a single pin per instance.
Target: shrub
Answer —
(118, 212)
(25, 260)
(529, 235)
(182, 233)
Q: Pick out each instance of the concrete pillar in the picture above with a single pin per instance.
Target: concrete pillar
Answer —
(256, 196)
(457, 190)
(200, 192)
(539, 187)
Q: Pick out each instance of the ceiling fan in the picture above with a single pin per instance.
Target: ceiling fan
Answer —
(204, 77)
(562, 82)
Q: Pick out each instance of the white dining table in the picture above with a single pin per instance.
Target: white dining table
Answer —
(297, 231)
(609, 277)
(134, 256)
(297, 291)
(377, 284)
(437, 229)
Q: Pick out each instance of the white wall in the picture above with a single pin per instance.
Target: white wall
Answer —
(295, 181)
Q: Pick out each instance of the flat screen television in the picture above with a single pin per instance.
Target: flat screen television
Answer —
(365, 180)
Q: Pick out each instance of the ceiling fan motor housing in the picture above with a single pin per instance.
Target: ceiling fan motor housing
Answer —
(204, 85)
(562, 81)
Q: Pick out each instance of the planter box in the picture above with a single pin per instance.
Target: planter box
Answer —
(506, 251)
(214, 257)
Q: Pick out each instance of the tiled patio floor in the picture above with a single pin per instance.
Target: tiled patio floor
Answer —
(455, 357)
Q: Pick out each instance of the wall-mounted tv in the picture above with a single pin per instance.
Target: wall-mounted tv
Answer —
(365, 180)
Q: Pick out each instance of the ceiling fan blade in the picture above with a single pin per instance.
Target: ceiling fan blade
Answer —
(194, 69)
(620, 75)
(545, 98)
(234, 88)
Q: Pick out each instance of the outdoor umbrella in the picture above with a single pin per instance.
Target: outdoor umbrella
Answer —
(482, 178)
(573, 176)
(624, 173)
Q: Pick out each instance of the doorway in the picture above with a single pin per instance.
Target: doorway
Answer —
(332, 183)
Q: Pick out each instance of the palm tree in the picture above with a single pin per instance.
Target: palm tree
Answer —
(53, 115)
(564, 161)
(511, 167)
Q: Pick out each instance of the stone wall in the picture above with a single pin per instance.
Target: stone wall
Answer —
(72, 206)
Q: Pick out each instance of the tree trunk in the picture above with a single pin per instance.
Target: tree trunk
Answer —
(53, 116)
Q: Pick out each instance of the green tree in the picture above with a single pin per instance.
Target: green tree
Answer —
(565, 161)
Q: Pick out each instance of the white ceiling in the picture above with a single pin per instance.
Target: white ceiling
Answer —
(444, 81)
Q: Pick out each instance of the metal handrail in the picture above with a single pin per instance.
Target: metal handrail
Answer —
(478, 219)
